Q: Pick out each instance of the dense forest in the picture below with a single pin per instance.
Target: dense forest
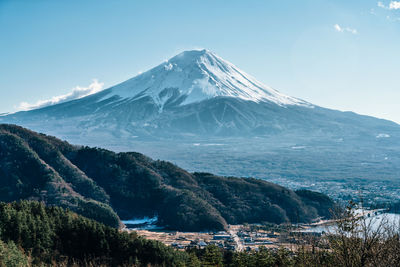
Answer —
(32, 234)
(107, 186)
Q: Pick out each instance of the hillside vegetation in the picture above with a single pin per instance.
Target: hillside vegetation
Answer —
(107, 186)
(32, 234)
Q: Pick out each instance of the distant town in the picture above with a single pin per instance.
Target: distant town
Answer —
(237, 238)
(370, 192)
(250, 237)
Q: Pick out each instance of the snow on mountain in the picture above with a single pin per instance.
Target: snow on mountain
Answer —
(194, 76)
(194, 94)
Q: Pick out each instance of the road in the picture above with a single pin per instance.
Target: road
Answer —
(233, 229)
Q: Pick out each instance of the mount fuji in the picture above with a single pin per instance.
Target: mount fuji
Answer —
(194, 76)
(195, 93)
(204, 113)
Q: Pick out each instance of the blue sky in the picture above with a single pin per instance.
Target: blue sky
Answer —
(339, 54)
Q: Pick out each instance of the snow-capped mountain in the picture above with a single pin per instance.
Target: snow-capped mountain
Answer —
(194, 94)
(194, 76)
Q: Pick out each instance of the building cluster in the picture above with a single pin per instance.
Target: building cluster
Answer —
(221, 239)
(236, 239)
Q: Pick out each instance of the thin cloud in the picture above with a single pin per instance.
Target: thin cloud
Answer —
(76, 93)
(372, 11)
(381, 5)
(338, 28)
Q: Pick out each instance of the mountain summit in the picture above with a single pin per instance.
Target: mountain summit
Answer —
(194, 76)
(195, 94)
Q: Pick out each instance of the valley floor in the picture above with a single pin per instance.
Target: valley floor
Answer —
(237, 238)
(247, 237)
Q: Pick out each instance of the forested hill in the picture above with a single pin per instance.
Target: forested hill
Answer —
(35, 235)
(106, 186)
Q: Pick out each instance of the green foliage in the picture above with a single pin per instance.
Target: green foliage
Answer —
(11, 256)
(212, 256)
(322, 203)
(97, 211)
(32, 234)
(193, 260)
(32, 167)
(51, 234)
(264, 258)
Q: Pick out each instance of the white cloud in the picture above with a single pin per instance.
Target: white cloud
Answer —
(76, 93)
(338, 28)
(394, 5)
(353, 31)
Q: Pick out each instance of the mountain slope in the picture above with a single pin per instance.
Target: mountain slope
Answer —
(147, 105)
(91, 181)
(194, 94)
(31, 168)
(194, 76)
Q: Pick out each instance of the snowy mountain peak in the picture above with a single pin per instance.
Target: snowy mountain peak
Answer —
(197, 75)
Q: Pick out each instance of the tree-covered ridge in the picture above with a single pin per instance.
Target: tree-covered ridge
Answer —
(32, 234)
(100, 184)
(51, 235)
(32, 167)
